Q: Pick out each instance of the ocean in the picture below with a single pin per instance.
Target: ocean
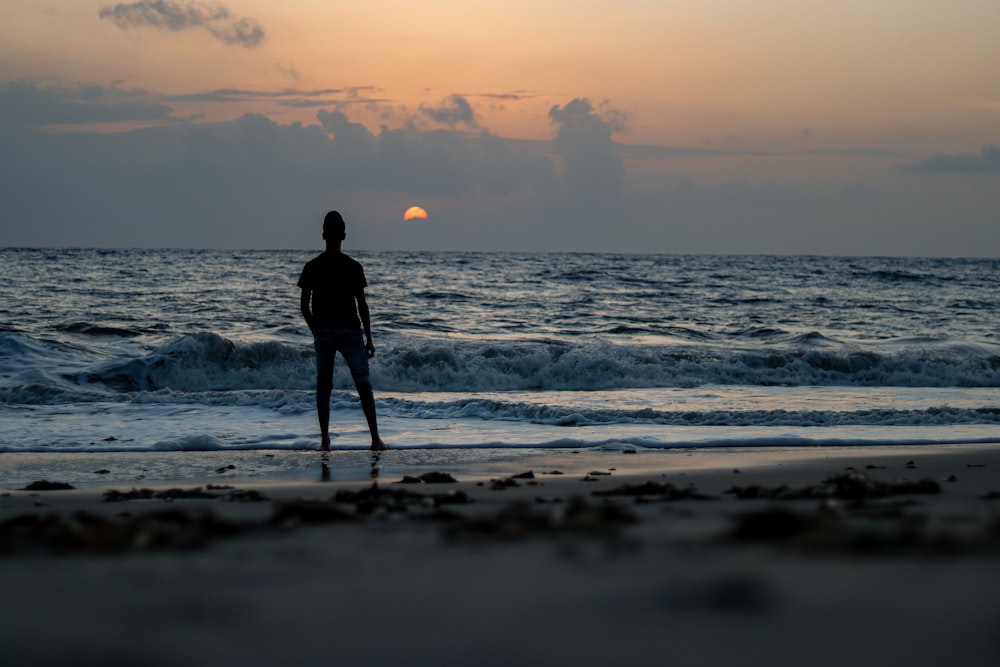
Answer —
(122, 351)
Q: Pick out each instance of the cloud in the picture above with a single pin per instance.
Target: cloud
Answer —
(986, 160)
(28, 104)
(452, 111)
(177, 16)
(513, 96)
(592, 161)
(660, 152)
(288, 97)
(434, 163)
(288, 70)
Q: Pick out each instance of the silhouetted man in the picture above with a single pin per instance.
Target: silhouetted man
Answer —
(333, 297)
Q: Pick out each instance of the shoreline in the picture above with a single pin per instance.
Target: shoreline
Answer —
(94, 470)
(533, 571)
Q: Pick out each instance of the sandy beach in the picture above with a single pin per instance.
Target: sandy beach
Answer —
(764, 556)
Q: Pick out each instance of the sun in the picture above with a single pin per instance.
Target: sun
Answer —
(415, 212)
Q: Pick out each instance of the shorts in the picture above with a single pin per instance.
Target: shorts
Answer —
(351, 346)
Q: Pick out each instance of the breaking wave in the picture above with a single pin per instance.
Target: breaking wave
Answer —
(207, 362)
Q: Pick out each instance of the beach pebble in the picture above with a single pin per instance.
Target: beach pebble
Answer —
(45, 485)
(410, 479)
(437, 478)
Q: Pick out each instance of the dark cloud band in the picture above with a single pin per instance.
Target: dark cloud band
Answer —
(985, 161)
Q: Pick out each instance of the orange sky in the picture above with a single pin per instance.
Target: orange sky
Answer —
(685, 71)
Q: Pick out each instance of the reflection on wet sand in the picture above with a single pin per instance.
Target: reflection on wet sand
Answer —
(376, 458)
(324, 467)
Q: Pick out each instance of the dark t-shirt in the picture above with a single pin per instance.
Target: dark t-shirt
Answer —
(334, 279)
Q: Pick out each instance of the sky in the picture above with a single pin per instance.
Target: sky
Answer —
(668, 126)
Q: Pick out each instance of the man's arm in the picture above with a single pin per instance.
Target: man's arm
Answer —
(306, 308)
(366, 321)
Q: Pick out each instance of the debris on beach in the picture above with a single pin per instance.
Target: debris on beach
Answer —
(654, 492)
(373, 497)
(228, 493)
(867, 532)
(523, 520)
(310, 512)
(91, 533)
(503, 483)
(853, 485)
(429, 478)
(437, 478)
(45, 485)
(873, 519)
(372, 502)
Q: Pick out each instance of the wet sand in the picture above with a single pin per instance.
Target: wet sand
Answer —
(766, 556)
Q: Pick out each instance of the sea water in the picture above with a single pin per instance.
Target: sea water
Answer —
(173, 350)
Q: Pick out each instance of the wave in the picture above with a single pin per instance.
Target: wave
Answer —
(207, 362)
(493, 409)
(809, 360)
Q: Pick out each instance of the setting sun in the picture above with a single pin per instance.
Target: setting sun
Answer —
(415, 212)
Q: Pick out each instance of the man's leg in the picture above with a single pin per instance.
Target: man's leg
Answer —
(368, 407)
(325, 355)
(357, 360)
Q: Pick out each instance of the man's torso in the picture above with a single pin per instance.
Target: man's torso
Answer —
(334, 279)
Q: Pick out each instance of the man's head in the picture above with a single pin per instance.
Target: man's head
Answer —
(334, 228)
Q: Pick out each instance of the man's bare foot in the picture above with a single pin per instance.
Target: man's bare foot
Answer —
(325, 446)
(378, 445)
